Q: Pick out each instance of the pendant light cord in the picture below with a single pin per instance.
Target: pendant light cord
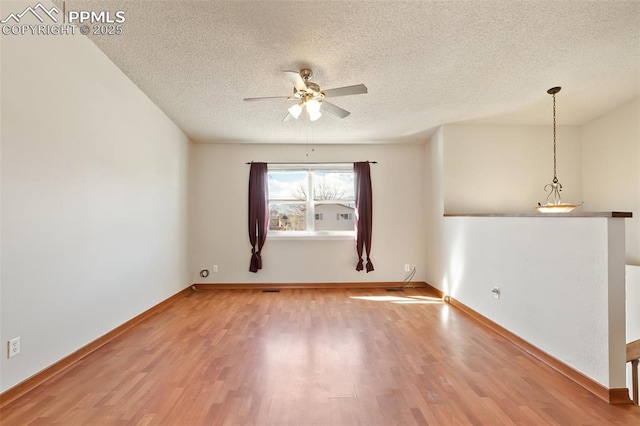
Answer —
(555, 178)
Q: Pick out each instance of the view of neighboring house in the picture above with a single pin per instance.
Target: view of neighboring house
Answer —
(334, 217)
(327, 217)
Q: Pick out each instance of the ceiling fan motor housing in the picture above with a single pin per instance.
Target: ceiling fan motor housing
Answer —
(313, 87)
(306, 74)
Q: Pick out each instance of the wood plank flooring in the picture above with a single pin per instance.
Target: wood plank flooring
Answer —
(311, 357)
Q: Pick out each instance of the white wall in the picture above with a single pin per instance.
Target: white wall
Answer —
(434, 207)
(611, 181)
(494, 168)
(219, 219)
(633, 310)
(611, 169)
(561, 283)
(94, 200)
(633, 302)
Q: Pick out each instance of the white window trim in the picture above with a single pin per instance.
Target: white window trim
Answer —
(307, 235)
(312, 235)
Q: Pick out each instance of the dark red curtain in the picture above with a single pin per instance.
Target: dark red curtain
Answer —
(364, 212)
(258, 213)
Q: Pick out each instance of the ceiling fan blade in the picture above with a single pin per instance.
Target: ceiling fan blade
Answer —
(265, 97)
(296, 80)
(335, 110)
(358, 89)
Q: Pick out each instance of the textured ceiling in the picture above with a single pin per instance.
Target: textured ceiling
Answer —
(425, 63)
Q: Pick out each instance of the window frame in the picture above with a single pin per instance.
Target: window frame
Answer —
(311, 203)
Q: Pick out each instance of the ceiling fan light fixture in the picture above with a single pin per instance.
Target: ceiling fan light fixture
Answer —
(296, 109)
(313, 109)
(308, 93)
(314, 117)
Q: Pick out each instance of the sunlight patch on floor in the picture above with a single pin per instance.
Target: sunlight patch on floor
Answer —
(406, 300)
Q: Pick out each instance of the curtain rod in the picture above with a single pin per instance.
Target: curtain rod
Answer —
(314, 162)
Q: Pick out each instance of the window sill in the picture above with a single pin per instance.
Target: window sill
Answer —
(300, 235)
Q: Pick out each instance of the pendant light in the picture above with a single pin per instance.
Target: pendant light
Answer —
(554, 202)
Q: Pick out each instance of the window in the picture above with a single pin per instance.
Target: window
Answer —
(303, 200)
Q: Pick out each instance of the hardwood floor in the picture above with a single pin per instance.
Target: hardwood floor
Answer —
(311, 357)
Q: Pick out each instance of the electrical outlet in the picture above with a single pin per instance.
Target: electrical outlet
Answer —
(13, 348)
(215, 268)
(407, 267)
(496, 292)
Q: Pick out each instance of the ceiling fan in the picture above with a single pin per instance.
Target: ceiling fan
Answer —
(307, 95)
